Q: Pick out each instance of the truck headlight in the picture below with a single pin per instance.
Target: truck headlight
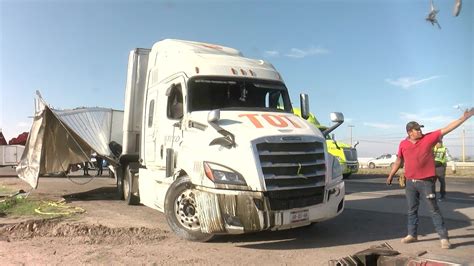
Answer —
(223, 175)
(336, 169)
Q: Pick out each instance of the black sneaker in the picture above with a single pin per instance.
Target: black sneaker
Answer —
(441, 198)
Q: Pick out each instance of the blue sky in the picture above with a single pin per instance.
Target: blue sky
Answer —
(378, 62)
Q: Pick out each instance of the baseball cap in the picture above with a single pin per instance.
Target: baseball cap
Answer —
(413, 125)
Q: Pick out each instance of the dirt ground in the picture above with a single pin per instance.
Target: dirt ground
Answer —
(110, 232)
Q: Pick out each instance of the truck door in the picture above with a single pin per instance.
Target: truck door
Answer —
(169, 133)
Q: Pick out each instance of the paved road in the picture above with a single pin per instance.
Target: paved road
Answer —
(374, 213)
(369, 193)
(459, 204)
(459, 189)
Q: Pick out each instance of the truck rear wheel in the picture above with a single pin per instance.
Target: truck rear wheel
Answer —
(182, 213)
(371, 165)
(128, 187)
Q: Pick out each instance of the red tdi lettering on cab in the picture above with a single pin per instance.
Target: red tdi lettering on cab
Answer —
(280, 121)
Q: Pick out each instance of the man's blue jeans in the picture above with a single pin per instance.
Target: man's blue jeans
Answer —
(424, 189)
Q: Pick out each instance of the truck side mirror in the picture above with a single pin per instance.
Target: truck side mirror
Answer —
(356, 143)
(304, 104)
(214, 116)
(337, 117)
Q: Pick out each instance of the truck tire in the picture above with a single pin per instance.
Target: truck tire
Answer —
(128, 195)
(344, 176)
(182, 213)
(371, 165)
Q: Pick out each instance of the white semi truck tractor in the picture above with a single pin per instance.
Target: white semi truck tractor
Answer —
(210, 139)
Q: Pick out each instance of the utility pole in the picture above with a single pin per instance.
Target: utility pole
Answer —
(350, 128)
(463, 134)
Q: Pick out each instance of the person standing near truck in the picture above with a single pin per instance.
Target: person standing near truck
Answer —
(100, 162)
(86, 168)
(416, 152)
(441, 156)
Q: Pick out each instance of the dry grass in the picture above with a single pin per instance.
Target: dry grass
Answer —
(460, 172)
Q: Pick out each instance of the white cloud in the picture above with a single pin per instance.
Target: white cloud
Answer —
(23, 124)
(380, 125)
(422, 118)
(299, 53)
(407, 82)
(271, 53)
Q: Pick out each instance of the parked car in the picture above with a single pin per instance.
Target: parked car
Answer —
(384, 160)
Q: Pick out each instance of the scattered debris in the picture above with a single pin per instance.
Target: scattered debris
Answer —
(384, 254)
(457, 7)
(58, 208)
(432, 15)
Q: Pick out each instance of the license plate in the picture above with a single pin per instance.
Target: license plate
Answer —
(299, 216)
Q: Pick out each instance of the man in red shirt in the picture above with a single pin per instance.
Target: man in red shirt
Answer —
(416, 152)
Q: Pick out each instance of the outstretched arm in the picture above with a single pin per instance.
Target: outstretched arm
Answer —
(453, 125)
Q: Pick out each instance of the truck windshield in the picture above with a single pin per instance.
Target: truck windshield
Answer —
(210, 94)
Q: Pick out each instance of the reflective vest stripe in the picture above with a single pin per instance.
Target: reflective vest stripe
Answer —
(440, 155)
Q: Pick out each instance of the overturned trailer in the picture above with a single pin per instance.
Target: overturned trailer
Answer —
(59, 138)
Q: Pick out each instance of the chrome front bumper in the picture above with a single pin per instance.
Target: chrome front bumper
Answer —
(236, 212)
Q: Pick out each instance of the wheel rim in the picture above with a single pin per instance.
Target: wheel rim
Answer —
(186, 211)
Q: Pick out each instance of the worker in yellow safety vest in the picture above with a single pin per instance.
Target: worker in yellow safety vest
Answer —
(441, 157)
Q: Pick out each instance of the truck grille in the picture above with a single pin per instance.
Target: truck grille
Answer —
(292, 165)
(295, 198)
(351, 154)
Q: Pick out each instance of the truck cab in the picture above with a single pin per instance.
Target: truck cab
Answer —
(345, 153)
(210, 139)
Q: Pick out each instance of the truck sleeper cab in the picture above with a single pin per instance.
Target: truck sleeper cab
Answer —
(219, 150)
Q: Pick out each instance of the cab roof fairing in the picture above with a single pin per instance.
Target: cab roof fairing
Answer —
(199, 59)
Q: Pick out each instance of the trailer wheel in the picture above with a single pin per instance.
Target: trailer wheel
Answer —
(371, 165)
(128, 187)
(182, 213)
(119, 182)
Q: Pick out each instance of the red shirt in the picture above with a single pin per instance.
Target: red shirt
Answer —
(418, 157)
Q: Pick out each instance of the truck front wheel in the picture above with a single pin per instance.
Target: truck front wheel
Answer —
(182, 213)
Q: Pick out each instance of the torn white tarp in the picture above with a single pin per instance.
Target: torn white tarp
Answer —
(59, 138)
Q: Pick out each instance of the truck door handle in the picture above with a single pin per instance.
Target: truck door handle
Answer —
(161, 151)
